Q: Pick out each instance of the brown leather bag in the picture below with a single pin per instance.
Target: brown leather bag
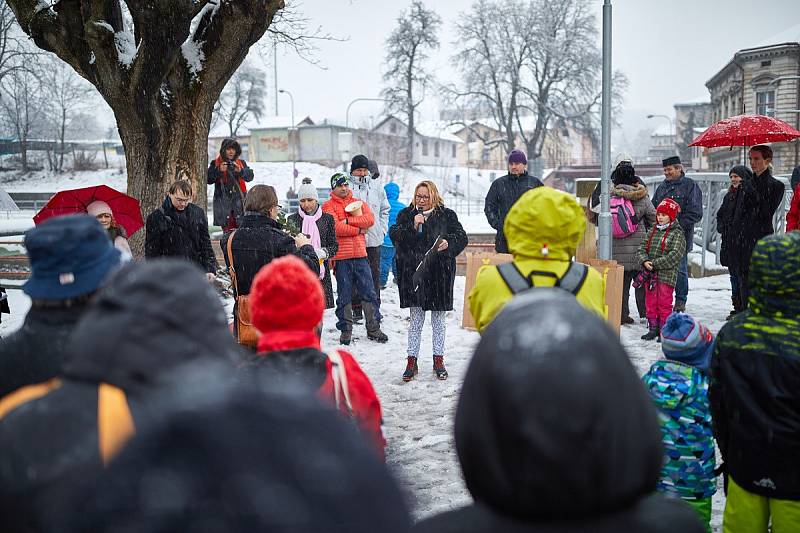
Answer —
(247, 334)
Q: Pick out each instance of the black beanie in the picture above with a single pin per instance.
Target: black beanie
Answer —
(359, 161)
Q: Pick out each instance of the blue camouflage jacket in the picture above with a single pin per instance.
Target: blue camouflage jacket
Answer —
(680, 392)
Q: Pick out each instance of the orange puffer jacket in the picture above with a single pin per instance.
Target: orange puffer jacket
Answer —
(352, 242)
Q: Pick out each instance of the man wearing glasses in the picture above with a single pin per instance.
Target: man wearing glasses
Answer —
(179, 228)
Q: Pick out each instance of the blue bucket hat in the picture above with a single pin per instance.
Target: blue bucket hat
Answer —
(687, 341)
(69, 256)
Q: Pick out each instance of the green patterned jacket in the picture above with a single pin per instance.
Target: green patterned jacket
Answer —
(755, 376)
(665, 258)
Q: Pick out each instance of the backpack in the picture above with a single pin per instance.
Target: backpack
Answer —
(623, 217)
(572, 280)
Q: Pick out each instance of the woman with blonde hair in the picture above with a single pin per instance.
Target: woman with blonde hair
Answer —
(102, 212)
(428, 235)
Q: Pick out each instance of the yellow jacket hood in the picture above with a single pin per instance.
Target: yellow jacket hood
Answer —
(545, 223)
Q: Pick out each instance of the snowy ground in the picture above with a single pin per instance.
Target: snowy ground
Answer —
(419, 415)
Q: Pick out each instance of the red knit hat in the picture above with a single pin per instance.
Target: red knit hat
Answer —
(669, 207)
(286, 296)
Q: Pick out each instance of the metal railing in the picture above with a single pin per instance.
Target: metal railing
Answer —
(714, 186)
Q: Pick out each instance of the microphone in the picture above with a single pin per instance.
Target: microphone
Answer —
(419, 228)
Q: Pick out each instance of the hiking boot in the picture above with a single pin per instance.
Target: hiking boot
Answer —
(627, 320)
(374, 332)
(411, 369)
(345, 337)
(377, 335)
(653, 333)
(438, 367)
(679, 307)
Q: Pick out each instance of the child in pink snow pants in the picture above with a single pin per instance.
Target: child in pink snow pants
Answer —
(660, 254)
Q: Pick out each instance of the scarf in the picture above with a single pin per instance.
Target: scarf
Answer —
(310, 228)
(660, 227)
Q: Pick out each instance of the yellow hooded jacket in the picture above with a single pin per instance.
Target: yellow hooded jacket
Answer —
(543, 229)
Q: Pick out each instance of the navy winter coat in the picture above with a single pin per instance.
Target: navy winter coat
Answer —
(689, 196)
(503, 193)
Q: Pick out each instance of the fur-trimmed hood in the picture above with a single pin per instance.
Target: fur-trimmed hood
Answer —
(630, 192)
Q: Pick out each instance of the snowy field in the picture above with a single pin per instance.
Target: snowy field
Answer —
(419, 415)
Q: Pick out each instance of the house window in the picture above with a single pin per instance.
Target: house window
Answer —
(765, 103)
(453, 151)
(766, 63)
(392, 128)
(424, 147)
(436, 149)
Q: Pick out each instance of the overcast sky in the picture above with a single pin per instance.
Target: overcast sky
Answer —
(667, 48)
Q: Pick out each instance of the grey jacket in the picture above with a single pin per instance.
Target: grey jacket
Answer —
(371, 191)
(623, 251)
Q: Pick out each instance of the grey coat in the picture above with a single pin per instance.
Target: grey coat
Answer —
(623, 251)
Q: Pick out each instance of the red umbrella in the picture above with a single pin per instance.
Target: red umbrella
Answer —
(124, 208)
(746, 130)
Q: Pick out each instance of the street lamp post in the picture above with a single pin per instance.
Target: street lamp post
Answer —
(294, 144)
(604, 218)
(671, 122)
(347, 112)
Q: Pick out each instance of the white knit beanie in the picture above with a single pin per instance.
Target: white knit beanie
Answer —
(307, 190)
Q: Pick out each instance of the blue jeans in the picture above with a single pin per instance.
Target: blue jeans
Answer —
(353, 273)
(682, 283)
(388, 263)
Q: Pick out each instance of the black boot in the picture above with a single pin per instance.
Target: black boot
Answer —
(653, 333)
(411, 369)
(374, 332)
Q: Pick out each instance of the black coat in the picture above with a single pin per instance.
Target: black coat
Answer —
(554, 431)
(768, 193)
(152, 318)
(688, 195)
(327, 236)
(35, 352)
(228, 194)
(734, 223)
(503, 193)
(182, 234)
(755, 371)
(436, 291)
(256, 243)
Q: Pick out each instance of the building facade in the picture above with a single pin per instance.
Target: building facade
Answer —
(763, 80)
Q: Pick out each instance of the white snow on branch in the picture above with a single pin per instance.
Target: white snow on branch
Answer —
(124, 43)
(41, 5)
(193, 52)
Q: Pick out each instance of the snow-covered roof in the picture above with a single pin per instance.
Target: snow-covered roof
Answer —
(789, 35)
(439, 129)
(281, 122)
(663, 130)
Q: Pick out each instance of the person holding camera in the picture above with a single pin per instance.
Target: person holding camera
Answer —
(228, 173)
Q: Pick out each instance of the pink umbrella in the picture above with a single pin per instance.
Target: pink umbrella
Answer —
(746, 130)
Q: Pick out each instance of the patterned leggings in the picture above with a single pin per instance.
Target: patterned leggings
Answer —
(415, 331)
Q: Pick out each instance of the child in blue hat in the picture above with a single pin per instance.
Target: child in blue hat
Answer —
(678, 386)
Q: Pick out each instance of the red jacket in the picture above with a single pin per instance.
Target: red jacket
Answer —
(793, 216)
(352, 242)
(365, 403)
(366, 407)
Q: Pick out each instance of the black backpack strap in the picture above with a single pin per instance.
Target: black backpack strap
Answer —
(513, 278)
(574, 278)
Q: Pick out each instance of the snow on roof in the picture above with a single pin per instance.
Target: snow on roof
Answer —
(438, 129)
(663, 130)
(789, 35)
(282, 121)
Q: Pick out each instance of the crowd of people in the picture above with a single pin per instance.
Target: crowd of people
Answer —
(126, 403)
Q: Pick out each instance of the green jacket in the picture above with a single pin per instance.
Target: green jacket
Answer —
(666, 254)
(755, 371)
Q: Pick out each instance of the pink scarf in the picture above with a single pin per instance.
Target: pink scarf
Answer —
(310, 228)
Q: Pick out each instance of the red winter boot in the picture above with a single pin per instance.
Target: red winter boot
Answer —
(438, 367)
